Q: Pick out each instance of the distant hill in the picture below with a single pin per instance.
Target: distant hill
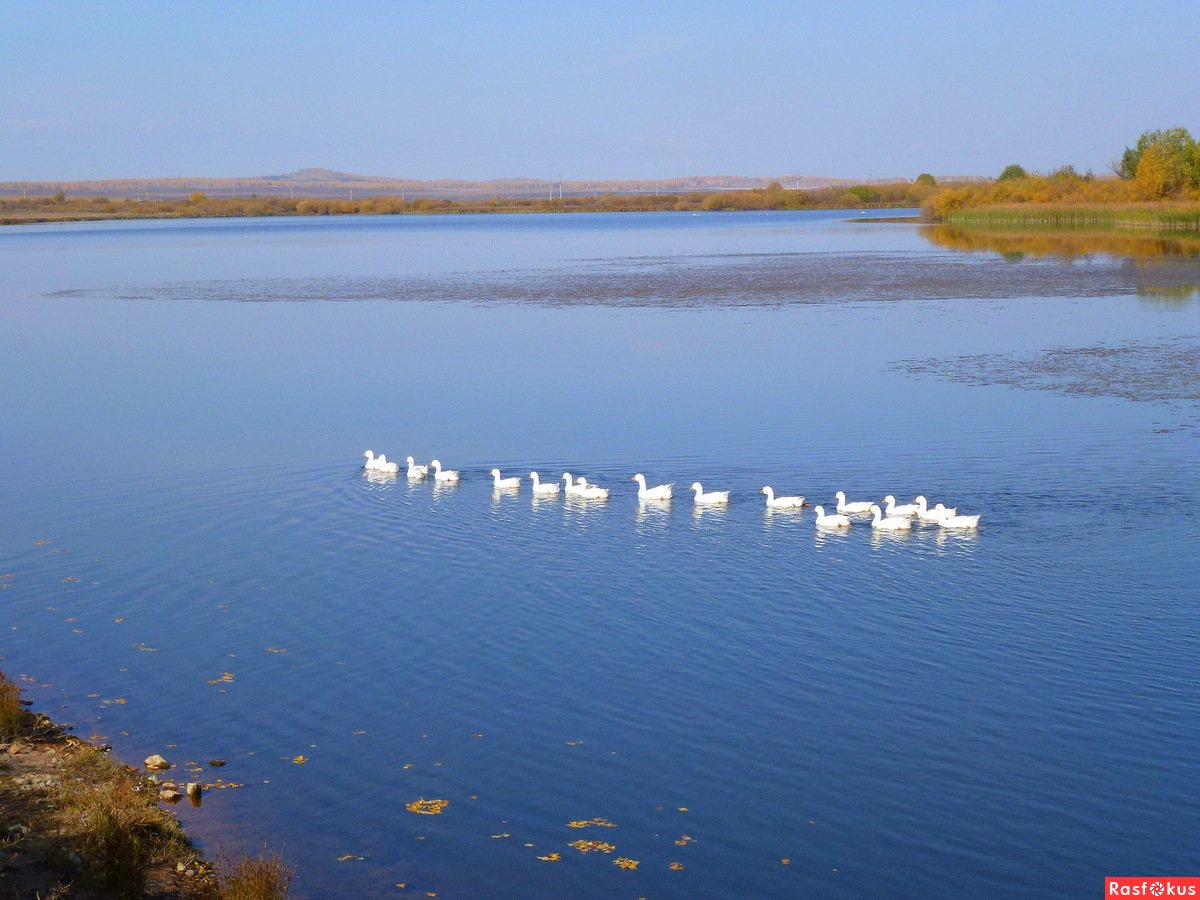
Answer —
(332, 184)
(322, 175)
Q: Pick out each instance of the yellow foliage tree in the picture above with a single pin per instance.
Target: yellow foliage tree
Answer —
(1160, 173)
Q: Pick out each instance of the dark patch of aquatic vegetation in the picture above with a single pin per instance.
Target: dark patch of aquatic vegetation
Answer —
(1137, 370)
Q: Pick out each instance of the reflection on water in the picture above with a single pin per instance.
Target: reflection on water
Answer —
(375, 477)
(1161, 267)
(1170, 296)
(655, 514)
(1062, 243)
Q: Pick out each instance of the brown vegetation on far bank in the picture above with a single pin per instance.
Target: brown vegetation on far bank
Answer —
(60, 208)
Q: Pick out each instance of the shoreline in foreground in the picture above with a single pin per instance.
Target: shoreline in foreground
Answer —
(79, 824)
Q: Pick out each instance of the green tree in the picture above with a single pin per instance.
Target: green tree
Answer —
(862, 192)
(1176, 141)
(1011, 172)
(926, 179)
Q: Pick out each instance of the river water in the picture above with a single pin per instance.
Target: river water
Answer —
(194, 563)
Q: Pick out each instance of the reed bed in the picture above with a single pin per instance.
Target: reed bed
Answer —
(1159, 216)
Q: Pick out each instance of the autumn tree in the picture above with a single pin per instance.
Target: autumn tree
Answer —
(1176, 142)
(1160, 173)
(1012, 172)
(926, 179)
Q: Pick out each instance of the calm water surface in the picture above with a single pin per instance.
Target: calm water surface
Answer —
(194, 564)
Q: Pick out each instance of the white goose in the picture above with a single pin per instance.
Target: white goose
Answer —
(589, 491)
(445, 476)
(936, 514)
(379, 463)
(662, 492)
(959, 521)
(541, 489)
(415, 472)
(573, 488)
(907, 509)
(501, 484)
(858, 507)
(774, 502)
(891, 523)
(712, 498)
(831, 521)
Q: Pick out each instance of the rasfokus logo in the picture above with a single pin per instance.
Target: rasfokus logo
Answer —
(1151, 886)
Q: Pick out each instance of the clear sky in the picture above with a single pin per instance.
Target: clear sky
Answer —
(587, 90)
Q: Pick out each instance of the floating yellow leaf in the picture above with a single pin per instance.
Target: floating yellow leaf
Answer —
(676, 866)
(402, 884)
(502, 835)
(624, 862)
(786, 861)
(683, 809)
(553, 857)
(119, 619)
(300, 760)
(349, 856)
(427, 807)
(589, 846)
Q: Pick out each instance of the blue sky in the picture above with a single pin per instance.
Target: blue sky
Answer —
(617, 90)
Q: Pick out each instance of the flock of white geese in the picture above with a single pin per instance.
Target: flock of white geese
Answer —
(890, 517)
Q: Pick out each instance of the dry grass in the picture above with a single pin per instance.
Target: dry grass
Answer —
(10, 709)
(122, 831)
(261, 877)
